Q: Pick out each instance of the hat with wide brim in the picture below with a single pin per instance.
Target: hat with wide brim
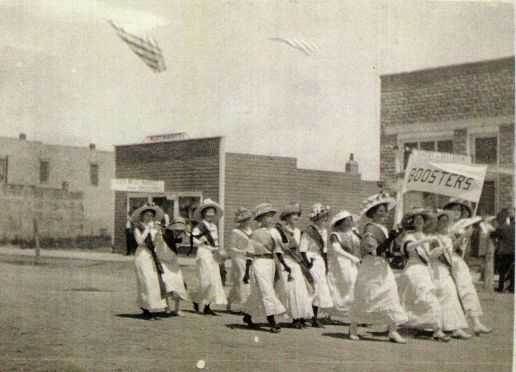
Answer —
(136, 216)
(262, 209)
(319, 211)
(443, 212)
(289, 209)
(178, 224)
(376, 200)
(339, 217)
(463, 203)
(208, 203)
(243, 214)
(408, 219)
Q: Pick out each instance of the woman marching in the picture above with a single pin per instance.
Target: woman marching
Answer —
(416, 287)
(173, 235)
(209, 288)
(453, 318)
(154, 280)
(460, 270)
(376, 298)
(238, 250)
(313, 248)
(343, 261)
(293, 286)
(260, 270)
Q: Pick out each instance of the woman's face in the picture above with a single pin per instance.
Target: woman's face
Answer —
(419, 222)
(148, 216)
(209, 215)
(442, 223)
(457, 212)
(321, 222)
(380, 215)
(346, 223)
(245, 223)
(266, 219)
(292, 219)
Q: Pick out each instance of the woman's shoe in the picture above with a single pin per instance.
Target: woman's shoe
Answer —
(178, 313)
(196, 307)
(316, 324)
(353, 333)
(208, 311)
(394, 336)
(275, 329)
(441, 336)
(297, 324)
(460, 334)
(481, 329)
(248, 320)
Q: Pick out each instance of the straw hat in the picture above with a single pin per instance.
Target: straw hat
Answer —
(178, 223)
(136, 216)
(243, 214)
(208, 203)
(463, 203)
(376, 200)
(262, 209)
(339, 217)
(319, 211)
(289, 209)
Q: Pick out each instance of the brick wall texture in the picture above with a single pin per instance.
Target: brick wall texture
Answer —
(446, 94)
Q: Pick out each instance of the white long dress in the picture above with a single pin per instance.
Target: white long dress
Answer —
(263, 300)
(295, 295)
(462, 276)
(376, 299)
(453, 314)
(418, 293)
(322, 296)
(209, 288)
(342, 269)
(173, 276)
(149, 293)
(238, 249)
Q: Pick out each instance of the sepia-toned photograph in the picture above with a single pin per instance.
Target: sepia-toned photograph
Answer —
(257, 185)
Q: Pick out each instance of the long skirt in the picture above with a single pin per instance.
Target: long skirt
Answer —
(209, 289)
(467, 291)
(263, 301)
(376, 298)
(173, 276)
(322, 295)
(453, 315)
(239, 290)
(295, 295)
(418, 296)
(148, 289)
(342, 274)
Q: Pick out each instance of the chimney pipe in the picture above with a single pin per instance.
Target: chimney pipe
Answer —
(23, 136)
(92, 146)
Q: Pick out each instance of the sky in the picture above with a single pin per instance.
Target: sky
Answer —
(66, 78)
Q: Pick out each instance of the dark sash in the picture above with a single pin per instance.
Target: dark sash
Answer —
(314, 234)
(304, 269)
(170, 239)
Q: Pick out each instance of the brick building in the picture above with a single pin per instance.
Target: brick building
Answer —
(58, 178)
(465, 109)
(195, 169)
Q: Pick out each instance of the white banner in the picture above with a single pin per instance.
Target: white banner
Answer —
(444, 174)
(135, 185)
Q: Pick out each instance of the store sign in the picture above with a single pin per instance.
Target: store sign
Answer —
(135, 185)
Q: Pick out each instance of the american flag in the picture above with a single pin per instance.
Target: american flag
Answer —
(307, 47)
(147, 49)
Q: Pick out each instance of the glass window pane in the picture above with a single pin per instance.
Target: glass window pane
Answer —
(94, 174)
(407, 150)
(486, 150)
(445, 146)
(43, 171)
(427, 145)
(3, 170)
(487, 198)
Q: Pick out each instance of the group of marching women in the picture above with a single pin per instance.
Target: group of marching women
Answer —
(280, 272)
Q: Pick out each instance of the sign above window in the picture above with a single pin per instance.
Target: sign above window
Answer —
(136, 185)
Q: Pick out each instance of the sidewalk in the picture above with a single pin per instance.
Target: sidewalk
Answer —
(80, 255)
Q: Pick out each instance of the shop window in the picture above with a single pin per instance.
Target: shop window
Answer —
(187, 206)
(441, 146)
(44, 169)
(445, 146)
(486, 150)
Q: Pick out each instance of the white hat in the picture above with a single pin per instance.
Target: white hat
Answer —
(208, 203)
(375, 200)
(319, 211)
(339, 217)
(137, 214)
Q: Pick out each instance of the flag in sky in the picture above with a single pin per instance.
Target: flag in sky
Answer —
(146, 48)
(307, 47)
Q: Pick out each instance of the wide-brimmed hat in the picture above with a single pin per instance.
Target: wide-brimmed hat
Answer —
(339, 217)
(243, 214)
(137, 214)
(208, 203)
(408, 219)
(178, 223)
(443, 212)
(319, 211)
(264, 208)
(289, 209)
(463, 203)
(376, 200)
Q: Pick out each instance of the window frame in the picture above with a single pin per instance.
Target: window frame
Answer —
(41, 162)
(92, 166)
(406, 138)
